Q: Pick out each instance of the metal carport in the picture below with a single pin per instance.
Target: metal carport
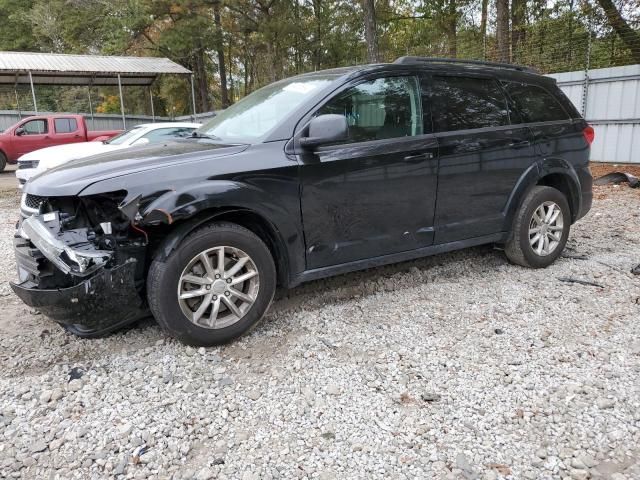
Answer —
(31, 68)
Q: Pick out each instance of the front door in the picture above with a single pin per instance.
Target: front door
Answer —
(374, 194)
(35, 135)
(484, 150)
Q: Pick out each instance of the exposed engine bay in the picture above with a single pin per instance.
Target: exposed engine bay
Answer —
(87, 248)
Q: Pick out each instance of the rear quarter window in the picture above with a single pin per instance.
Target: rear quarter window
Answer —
(535, 104)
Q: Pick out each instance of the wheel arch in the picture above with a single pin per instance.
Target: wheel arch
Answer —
(176, 232)
(551, 172)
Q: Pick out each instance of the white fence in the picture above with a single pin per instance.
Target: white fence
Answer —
(609, 99)
(103, 121)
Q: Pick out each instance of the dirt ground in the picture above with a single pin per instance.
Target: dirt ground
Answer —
(600, 169)
(8, 180)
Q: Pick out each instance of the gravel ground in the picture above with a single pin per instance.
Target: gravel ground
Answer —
(455, 366)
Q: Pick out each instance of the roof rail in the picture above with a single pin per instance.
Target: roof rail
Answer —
(410, 59)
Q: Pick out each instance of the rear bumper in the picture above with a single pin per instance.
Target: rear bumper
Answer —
(103, 302)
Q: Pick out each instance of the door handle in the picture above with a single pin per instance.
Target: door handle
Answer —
(418, 157)
(520, 144)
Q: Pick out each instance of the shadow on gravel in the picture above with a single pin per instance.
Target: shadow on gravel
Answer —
(399, 276)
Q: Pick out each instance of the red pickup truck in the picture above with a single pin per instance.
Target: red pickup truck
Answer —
(42, 131)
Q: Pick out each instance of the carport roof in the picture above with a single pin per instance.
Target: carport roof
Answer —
(62, 69)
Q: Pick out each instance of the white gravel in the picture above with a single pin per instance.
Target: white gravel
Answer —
(455, 366)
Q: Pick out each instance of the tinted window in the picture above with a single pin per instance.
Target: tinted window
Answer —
(35, 127)
(382, 108)
(535, 103)
(65, 125)
(460, 103)
(168, 133)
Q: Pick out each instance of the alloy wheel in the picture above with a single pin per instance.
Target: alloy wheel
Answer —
(218, 287)
(546, 228)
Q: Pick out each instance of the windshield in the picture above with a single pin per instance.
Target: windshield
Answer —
(255, 115)
(124, 137)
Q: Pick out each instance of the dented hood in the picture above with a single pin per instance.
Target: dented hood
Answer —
(71, 178)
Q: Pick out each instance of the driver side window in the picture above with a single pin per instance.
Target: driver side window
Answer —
(378, 109)
(35, 127)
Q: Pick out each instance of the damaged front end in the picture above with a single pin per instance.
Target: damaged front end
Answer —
(81, 261)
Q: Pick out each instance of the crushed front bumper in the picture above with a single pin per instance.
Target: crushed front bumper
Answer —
(101, 303)
(69, 280)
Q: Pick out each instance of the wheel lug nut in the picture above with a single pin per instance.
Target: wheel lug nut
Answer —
(215, 297)
(217, 276)
(227, 293)
(228, 280)
(208, 287)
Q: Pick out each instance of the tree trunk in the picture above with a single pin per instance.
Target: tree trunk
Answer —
(483, 27)
(451, 23)
(518, 16)
(222, 68)
(502, 30)
(245, 63)
(200, 80)
(317, 41)
(370, 31)
(629, 37)
(232, 94)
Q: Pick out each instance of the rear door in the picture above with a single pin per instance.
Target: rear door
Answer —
(35, 135)
(373, 194)
(484, 149)
(66, 130)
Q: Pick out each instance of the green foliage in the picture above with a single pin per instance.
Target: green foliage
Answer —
(264, 40)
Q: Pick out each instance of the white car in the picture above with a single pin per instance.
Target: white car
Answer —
(44, 159)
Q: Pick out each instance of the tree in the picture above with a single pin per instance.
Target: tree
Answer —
(222, 69)
(483, 26)
(502, 30)
(370, 30)
(518, 16)
(629, 36)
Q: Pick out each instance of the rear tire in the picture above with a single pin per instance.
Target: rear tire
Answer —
(540, 228)
(3, 161)
(215, 286)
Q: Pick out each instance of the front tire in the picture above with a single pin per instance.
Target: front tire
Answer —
(3, 162)
(214, 287)
(540, 229)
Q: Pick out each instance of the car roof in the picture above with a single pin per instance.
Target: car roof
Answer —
(440, 65)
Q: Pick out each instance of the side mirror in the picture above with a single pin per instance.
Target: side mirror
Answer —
(324, 129)
(19, 131)
(141, 141)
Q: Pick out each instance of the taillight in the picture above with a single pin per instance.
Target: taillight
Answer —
(589, 134)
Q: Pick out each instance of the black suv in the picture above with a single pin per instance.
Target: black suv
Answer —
(312, 176)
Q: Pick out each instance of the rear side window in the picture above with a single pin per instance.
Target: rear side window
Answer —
(461, 103)
(535, 103)
(380, 109)
(65, 125)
